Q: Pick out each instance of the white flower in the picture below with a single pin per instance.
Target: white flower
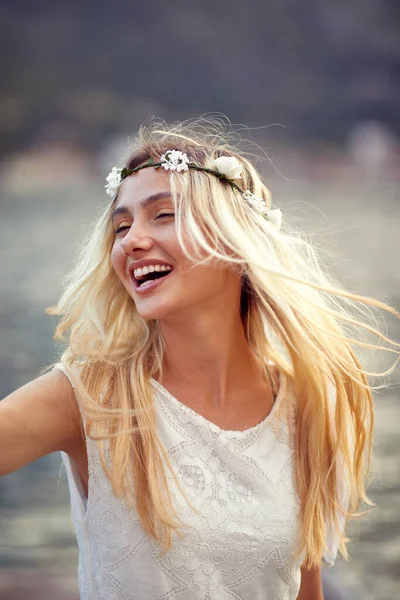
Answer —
(273, 216)
(113, 182)
(174, 160)
(229, 166)
(255, 201)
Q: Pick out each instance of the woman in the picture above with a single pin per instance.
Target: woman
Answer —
(215, 421)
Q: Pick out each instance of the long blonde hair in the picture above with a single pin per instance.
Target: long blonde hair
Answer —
(294, 314)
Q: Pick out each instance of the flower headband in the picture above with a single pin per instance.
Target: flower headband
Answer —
(227, 168)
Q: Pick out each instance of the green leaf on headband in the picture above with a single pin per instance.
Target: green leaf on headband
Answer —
(125, 172)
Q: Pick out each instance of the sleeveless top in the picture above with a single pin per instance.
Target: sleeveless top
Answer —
(241, 545)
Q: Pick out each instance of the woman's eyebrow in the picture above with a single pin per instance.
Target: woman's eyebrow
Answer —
(153, 198)
(144, 203)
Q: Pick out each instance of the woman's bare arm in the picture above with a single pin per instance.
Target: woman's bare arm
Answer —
(311, 585)
(38, 418)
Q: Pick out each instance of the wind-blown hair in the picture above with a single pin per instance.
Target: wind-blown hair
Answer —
(294, 314)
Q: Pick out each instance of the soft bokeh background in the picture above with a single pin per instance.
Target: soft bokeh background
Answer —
(319, 83)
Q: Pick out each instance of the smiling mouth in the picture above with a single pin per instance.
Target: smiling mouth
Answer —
(146, 280)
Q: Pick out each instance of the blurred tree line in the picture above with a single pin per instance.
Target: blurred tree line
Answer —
(85, 70)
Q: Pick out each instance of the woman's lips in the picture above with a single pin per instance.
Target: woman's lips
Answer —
(151, 285)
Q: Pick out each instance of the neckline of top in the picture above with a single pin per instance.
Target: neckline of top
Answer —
(214, 426)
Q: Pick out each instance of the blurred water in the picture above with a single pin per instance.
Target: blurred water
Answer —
(39, 231)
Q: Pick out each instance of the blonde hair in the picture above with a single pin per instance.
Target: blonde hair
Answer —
(294, 314)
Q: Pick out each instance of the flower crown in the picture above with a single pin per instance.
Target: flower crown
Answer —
(227, 168)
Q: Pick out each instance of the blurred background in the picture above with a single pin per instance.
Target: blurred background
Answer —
(317, 84)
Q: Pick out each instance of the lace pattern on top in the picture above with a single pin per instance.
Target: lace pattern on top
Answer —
(240, 546)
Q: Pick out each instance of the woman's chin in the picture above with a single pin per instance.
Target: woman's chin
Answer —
(154, 310)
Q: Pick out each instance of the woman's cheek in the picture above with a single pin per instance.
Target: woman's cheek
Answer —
(117, 259)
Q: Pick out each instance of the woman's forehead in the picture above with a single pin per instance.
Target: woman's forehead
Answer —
(142, 185)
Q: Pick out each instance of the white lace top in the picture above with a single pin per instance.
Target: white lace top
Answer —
(239, 548)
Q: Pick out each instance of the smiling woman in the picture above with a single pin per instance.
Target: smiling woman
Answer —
(145, 273)
(146, 234)
(219, 434)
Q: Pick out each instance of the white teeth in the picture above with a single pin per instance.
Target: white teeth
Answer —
(150, 269)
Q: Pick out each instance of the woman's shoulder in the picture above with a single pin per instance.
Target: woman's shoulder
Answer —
(71, 372)
(65, 378)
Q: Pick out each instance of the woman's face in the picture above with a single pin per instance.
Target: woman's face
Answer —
(144, 223)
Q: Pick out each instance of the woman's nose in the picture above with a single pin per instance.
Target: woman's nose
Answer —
(136, 238)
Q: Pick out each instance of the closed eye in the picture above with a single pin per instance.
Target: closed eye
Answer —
(165, 215)
(122, 228)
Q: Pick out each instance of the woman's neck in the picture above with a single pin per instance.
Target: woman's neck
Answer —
(211, 356)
